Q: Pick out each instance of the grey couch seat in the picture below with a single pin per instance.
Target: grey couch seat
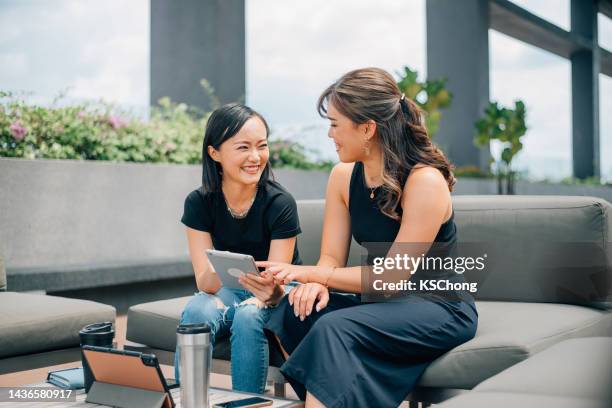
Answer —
(510, 400)
(572, 373)
(31, 323)
(508, 332)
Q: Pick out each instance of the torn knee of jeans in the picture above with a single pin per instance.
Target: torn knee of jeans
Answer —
(253, 301)
(220, 304)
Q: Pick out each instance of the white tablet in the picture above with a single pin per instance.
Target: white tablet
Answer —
(230, 266)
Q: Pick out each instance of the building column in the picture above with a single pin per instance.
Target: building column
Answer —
(193, 40)
(458, 49)
(585, 91)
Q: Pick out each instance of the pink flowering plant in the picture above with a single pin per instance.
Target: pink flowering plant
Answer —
(88, 131)
(99, 132)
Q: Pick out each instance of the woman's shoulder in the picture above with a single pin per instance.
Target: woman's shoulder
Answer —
(428, 175)
(342, 171)
(340, 180)
(426, 187)
(277, 192)
(341, 174)
(198, 197)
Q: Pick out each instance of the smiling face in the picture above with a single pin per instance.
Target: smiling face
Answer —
(350, 138)
(243, 157)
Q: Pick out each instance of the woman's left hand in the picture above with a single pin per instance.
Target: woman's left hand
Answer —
(263, 287)
(285, 272)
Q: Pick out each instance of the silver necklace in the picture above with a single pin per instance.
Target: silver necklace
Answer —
(242, 214)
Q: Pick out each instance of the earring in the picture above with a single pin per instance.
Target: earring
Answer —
(367, 147)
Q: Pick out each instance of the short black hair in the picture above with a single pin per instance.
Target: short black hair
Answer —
(222, 124)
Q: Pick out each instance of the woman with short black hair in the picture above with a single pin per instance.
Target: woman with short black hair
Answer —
(239, 208)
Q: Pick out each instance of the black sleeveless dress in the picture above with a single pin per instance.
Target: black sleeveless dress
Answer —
(373, 225)
(355, 354)
(375, 228)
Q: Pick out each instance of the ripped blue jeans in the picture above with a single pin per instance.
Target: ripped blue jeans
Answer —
(243, 324)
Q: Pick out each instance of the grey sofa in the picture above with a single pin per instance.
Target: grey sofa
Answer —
(38, 330)
(572, 373)
(521, 312)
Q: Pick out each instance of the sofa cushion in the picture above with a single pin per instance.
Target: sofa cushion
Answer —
(32, 323)
(572, 373)
(551, 218)
(508, 333)
(576, 368)
(511, 400)
(154, 324)
(547, 248)
(309, 241)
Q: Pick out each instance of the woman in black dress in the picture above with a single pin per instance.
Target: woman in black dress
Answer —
(392, 186)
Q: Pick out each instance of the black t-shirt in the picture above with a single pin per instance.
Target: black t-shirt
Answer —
(273, 215)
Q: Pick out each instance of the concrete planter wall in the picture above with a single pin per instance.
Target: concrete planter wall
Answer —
(64, 212)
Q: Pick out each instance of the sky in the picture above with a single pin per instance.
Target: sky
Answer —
(97, 50)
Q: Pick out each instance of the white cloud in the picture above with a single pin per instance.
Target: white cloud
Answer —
(13, 63)
(95, 49)
(605, 120)
(604, 32)
(555, 11)
(296, 49)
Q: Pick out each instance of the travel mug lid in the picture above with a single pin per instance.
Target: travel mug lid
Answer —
(197, 328)
(97, 334)
(102, 327)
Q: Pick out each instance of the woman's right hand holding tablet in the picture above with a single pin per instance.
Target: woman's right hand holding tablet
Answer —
(303, 298)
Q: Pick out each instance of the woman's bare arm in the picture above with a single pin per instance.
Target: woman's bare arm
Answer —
(336, 234)
(426, 204)
(281, 250)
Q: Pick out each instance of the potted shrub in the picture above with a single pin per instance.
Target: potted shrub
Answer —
(507, 126)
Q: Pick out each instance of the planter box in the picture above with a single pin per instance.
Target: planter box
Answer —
(72, 224)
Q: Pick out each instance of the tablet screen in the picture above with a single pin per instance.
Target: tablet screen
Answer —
(230, 266)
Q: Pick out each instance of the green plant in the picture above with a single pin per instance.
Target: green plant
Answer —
(589, 181)
(87, 131)
(291, 154)
(429, 95)
(470, 171)
(508, 127)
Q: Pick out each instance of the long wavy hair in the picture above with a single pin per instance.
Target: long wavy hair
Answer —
(372, 94)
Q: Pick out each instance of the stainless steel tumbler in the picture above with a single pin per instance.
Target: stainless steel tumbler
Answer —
(195, 362)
